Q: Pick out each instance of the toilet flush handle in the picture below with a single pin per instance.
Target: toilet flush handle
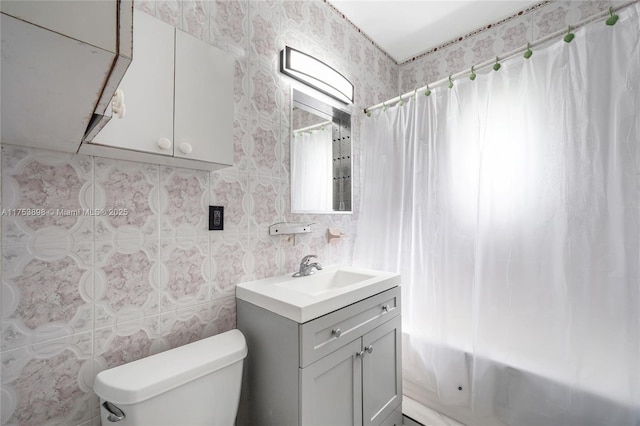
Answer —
(115, 414)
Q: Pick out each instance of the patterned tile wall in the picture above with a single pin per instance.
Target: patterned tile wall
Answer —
(82, 293)
(495, 40)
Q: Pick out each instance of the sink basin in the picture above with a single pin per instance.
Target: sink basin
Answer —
(323, 282)
(302, 299)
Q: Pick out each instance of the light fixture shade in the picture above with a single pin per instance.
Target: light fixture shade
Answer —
(316, 74)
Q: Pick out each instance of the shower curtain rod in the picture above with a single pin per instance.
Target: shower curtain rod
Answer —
(313, 126)
(508, 55)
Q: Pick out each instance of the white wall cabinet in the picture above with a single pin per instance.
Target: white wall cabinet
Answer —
(341, 369)
(61, 63)
(178, 96)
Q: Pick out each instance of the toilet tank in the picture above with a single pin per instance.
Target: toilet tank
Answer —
(194, 384)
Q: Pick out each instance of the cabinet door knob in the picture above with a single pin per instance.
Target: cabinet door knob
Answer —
(336, 332)
(164, 144)
(369, 349)
(360, 354)
(185, 148)
(385, 308)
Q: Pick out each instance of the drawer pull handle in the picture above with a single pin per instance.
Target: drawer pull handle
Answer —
(385, 308)
(369, 349)
(336, 332)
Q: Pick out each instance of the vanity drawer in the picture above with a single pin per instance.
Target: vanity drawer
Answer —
(324, 335)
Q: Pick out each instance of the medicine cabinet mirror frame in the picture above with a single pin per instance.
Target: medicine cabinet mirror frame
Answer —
(321, 156)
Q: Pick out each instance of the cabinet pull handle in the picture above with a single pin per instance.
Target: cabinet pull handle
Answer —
(185, 148)
(369, 349)
(360, 354)
(164, 144)
(117, 104)
(385, 308)
(336, 332)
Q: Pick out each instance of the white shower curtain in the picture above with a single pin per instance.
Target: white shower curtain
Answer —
(312, 170)
(511, 207)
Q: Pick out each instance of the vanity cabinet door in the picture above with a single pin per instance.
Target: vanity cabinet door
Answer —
(381, 372)
(331, 389)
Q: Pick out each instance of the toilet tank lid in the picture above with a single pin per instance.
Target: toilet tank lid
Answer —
(147, 377)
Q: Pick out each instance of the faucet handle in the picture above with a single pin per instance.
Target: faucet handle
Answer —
(305, 260)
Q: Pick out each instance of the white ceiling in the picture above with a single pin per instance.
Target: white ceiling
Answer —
(405, 29)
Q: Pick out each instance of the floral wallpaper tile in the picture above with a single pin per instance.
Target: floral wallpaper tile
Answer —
(126, 342)
(242, 144)
(47, 196)
(183, 202)
(184, 326)
(285, 139)
(127, 194)
(230, 190)
(241, 84)
(266, 98)
(49, 383)
(126, 281)
(264, 30)
(264, 253)
(229, 24)
(147, 6)
(316, 19)
(47, 292)
(223, 316)
(266, 148)
(228, 266)
(188, 325)
(195, 18)
(170, 11)
(266, 202)
(185, 272)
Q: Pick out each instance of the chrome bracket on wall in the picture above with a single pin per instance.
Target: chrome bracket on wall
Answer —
(283, 228)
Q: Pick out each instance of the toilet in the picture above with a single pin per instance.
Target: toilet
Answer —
(195, 384)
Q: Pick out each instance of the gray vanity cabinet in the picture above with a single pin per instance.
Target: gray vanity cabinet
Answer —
(341, 369)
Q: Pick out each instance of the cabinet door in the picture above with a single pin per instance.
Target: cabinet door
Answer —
(148, 91)
(331, 389)
(381, 372)
(203, 101)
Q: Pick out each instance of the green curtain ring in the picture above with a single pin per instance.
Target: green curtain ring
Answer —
(428, 91)
(613, 18)
(450, 82)
(384, 107)
(570, 36)
(368, 113)
(528, 53)
(401, 102)
(473, 74)
(497, 65)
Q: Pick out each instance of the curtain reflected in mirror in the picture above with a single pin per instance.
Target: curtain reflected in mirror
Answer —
(311, 171)
(320, 156)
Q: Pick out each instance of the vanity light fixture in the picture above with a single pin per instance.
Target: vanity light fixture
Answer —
(316, 74)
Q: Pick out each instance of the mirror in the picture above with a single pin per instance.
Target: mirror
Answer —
(320, 156)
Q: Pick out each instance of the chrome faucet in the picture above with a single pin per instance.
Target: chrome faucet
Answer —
(306, 268)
